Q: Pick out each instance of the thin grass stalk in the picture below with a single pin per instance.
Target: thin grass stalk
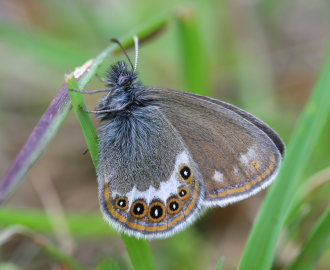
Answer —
(317, 242)
(192, 53)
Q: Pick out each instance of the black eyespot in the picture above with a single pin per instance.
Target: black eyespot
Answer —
(139, 209)
(173, 205)
(183, 193)
(185, 173)
(157, 211)
(122, 203)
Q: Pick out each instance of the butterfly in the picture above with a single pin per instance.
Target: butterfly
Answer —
(167, 155)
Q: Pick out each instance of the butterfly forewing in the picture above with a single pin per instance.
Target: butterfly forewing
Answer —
(237, 154)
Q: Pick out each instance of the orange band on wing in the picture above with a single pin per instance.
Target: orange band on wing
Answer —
(250, 184)
(140, 227)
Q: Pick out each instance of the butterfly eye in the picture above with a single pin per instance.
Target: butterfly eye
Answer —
(139, 209)
(183, 193)
(157, 211)
(123, 80)
(173, 206)
(122, 203)
(186, 173)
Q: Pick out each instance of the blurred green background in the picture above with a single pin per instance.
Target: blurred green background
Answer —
(263, 56)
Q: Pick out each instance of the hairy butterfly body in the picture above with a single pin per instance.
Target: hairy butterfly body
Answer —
(167, 155)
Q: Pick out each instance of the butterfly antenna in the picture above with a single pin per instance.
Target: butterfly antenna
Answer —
(123, 49)
(136, 44)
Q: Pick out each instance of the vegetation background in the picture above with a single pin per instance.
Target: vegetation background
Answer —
(264, 56)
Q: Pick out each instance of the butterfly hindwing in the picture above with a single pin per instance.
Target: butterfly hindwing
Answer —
(236, 153)
(150, 188)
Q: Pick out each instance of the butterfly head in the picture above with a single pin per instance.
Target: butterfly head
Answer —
(125, 91)
(121, 78)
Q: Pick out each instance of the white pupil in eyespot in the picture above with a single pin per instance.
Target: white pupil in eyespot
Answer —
(156, 212)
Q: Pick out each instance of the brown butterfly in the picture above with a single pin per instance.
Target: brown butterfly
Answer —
(166, 155)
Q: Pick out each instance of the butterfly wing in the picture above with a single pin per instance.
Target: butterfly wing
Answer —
(149, 185)
(236, 153)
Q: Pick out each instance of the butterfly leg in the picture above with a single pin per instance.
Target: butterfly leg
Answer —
(88, 111)
(99, 111)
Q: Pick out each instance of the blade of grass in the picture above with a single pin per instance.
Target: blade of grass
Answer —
(192, 53)
(59, 108)
(85, 121)
(41, 135)
(108, 264)
(139, 252)
(260, 250)
(312, 194)
(316, 244)
(221, 264)
(81, 225)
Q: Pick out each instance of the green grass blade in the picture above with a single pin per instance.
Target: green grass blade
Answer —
(85, 121)
(139, 252)
(260, 249)
(316, 244)
(108, 264)
(313, 194)
(192, 53)
(221, 264)
(80, 225)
